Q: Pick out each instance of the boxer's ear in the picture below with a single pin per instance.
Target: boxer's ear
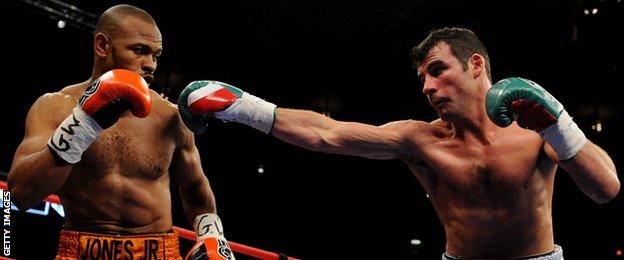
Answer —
(101, 45)
(476, 64)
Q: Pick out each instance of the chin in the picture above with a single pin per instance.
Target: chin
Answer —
(441, 113)
(447, 117)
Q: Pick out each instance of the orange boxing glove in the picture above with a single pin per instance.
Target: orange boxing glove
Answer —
(211, 244)
(113, 93)
(109, 96)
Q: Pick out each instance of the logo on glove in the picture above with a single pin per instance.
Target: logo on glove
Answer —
(62, 144)
(224, 249)
(95, 85)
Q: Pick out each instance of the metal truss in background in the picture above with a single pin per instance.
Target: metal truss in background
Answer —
(61, 11)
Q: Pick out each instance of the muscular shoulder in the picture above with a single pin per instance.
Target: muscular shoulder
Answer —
(163, 107)
(414, 135)
(52, 107)
(168, 113)
(68, 95)
(53, 100)
(419, 128)
(440, 128)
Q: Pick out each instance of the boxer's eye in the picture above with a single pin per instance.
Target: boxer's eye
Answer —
(436, 69)
(156, 56)
(141, 50)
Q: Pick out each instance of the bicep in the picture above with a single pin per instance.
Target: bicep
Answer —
(365, 140)
(186, 165)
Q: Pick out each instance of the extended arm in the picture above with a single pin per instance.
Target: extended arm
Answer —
(317, 132)
(306, 129)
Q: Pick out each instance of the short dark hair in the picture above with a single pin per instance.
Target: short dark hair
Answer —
(463, 43)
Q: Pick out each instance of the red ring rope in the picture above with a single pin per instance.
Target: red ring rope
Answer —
(190, 235)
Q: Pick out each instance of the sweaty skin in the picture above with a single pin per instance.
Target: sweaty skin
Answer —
(491, 187)
(121, 185)
(491, 190)
(493, 199)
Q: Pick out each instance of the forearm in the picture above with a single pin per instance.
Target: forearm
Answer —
(197, 198)
(317, 132)
(35, 176)
(303, 128)
(594, 172)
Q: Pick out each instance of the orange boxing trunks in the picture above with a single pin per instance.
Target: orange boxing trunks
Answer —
(84, 245)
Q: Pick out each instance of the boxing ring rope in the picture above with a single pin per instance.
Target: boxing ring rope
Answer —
(190, 235)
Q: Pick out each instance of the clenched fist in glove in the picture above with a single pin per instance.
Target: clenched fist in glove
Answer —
(109, 96)
(534, 108)
(212, 98)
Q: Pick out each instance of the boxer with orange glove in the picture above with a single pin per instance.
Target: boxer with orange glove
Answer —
(111, 148)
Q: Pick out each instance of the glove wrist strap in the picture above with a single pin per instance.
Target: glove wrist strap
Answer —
(565, 137)
(252, 111)
(74, 136)
(207, 225)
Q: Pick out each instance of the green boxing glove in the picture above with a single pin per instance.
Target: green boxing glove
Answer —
(203, 98)
(534, 108)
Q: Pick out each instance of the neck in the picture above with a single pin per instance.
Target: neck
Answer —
(478, 127)
(96, 73)
(475, 123)
(99, 67)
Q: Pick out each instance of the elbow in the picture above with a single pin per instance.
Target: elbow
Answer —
(608, 193)
(316, 142)
(326, 144)
(19, 197)
(319, 145)
(602, 199)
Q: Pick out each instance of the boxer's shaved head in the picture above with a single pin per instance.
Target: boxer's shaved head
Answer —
(127, 37)
(110, 21)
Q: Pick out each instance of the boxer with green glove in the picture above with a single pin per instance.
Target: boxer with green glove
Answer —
(491, 186)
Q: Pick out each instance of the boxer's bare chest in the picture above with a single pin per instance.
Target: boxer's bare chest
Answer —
(489, 177)
(481, 174)
(133, 147)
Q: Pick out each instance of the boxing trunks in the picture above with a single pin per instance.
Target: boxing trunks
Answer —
(85, 245)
